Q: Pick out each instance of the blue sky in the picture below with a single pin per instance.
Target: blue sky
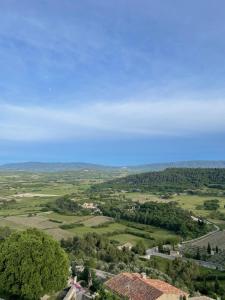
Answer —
(113, 82)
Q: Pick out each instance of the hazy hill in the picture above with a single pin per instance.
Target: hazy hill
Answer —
(52, 167)
(78, 166)
(179, 164)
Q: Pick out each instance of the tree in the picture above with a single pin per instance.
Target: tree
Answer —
(198, 255)
(140, 248)
(209, 248)
(105, 294)
(31, 265)
(216, 285)
(4, 233)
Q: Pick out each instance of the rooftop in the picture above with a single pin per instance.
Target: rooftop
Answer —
(136, 287)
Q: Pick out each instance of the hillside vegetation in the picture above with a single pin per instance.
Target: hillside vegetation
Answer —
(172, 179)
(165, 215)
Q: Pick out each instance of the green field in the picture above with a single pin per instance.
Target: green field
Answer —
(23, 195)
(133, 239)
(186, 201)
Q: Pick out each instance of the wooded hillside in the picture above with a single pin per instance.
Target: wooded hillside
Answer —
(175, 179)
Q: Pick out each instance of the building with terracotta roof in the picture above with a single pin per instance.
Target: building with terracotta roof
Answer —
(135, 286)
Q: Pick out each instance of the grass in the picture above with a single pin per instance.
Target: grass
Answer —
(190, 202)
(97, 220)
(186, 201)
(38, 187)
(133, 239)
(101, 230)
(143, 197)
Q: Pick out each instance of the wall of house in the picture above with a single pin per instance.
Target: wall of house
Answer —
(170, 297)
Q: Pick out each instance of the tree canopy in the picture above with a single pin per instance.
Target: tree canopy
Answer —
(164, 215)
(171, 179)
(31, 265)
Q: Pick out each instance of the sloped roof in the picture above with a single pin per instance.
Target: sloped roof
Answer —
(132, 285)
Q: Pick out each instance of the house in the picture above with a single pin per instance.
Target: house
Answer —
(138, 287)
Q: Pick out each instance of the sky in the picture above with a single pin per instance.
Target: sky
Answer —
(114, 82)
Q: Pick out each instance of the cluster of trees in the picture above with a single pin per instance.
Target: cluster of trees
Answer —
(97, 247)
(4, 233)
(4, 204)
(89, 279)
(96, 251)
(64, 205)
(171, 179)
(212, 204)
(31, 265)
(189, 276)
(164, 215)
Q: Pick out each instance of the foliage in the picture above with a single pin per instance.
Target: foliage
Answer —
(183, 273)
(31, 265)
(105, 294)
(71, 225)
(164, 215)
(65, 205)
(139, 248)
(4, 233)
(171, 179)
(98, 247)
(211, 204)
(187, 275)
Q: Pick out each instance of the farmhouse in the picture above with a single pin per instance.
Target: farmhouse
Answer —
(138, 287)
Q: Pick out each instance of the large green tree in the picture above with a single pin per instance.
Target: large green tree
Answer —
(31, 265)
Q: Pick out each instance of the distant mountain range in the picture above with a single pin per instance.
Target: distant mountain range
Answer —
(79, 166)
(52, 167)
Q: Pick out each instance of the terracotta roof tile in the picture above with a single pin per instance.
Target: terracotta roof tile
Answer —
(132, 285)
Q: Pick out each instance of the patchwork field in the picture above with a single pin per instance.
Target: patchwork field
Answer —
(23, 195)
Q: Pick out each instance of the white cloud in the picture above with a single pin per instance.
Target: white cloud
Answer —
(128, 118)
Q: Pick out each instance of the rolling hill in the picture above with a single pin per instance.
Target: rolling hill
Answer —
(79, 166)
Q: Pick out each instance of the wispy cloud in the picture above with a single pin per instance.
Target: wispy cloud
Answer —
(102, 119)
